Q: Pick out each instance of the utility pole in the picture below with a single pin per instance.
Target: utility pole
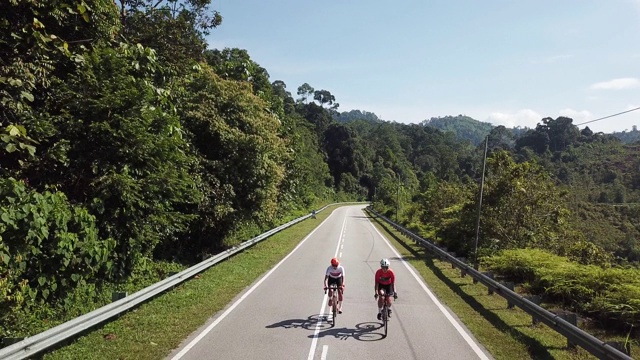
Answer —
(484, 163)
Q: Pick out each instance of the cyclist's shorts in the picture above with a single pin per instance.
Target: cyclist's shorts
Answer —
(337, 281)
(386, 288)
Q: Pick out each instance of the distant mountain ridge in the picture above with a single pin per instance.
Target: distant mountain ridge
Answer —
(466, 127)
(628, 137)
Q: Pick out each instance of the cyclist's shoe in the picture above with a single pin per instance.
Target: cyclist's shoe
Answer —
(389, 313)
(340, 311)
(379, 316)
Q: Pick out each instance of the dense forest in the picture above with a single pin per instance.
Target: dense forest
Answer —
(128, 147)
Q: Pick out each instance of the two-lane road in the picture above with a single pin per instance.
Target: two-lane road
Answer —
(283, 315)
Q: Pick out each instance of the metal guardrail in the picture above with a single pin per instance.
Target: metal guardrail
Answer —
(38, 343)
(575, 335)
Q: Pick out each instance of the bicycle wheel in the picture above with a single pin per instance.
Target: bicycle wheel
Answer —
(334, 309)
(385, 319)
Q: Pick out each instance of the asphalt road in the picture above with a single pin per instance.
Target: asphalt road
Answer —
(284, 314)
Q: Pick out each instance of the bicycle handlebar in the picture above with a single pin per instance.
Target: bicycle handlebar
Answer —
(395, 295)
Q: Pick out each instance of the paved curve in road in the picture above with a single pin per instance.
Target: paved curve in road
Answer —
(282, 315)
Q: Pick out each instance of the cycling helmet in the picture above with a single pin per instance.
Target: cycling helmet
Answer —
(384, 263)
(335, 262)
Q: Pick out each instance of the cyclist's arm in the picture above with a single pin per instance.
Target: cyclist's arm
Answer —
(326, 279)
(393, 281)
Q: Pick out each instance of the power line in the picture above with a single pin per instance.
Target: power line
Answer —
(606, 117)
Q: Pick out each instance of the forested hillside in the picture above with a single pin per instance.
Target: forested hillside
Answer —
(129, 148)
(463, 126)
(628, 137)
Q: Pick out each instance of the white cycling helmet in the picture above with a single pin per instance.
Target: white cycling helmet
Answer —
(384, 263)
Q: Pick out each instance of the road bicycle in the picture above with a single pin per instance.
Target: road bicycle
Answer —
(333, 290)
(386, 308)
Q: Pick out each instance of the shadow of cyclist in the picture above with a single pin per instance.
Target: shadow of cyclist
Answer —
(308, 323)
(362, 332)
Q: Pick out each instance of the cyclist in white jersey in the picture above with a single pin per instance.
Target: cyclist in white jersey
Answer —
(335, 275)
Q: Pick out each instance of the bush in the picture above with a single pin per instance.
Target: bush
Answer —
(48, 247)
(610, 294)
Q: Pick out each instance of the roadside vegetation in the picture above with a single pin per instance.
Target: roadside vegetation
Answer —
(505, 333)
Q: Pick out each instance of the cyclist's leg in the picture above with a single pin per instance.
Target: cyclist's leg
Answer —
(380, 300)
(330, 282)
(389, 298)
(339, 284)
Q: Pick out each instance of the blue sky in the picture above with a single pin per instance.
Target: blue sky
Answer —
(507, 62)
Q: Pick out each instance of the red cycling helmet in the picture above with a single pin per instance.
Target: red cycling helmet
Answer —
(335, 262)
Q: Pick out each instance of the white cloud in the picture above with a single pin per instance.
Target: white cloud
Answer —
(617, 84)
(523, 118)
(576, 115)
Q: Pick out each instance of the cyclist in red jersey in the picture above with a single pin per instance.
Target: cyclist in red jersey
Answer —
(385, 283)
(335, 275)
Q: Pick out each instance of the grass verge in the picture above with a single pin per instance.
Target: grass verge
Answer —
(505, 333)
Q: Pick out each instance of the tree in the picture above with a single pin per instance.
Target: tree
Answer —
(537, 140)
(196, 12)
(339, 144)
(500, 138)
(175, 29)
(522, 207)
(112, 141)
(304, 91)
(561, 132)
(323, 97)
(279, 89)
(586, 132)
(36, 37)
(242, 156)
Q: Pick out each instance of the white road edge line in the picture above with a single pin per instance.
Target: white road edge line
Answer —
(325, 348)
(244, 296)
(446, 313)
(314, 342)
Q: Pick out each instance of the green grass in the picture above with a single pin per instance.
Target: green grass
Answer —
(152, 330)
(505, 333)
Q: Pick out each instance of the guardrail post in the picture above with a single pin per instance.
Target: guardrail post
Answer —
(536, 300)
(453, 254)
(441, 255)
(511, 286)
(117, 295)
(463, 272)
(475, 267)
(171, 273)
(619, 345)
(489, 274)
(573, 320)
